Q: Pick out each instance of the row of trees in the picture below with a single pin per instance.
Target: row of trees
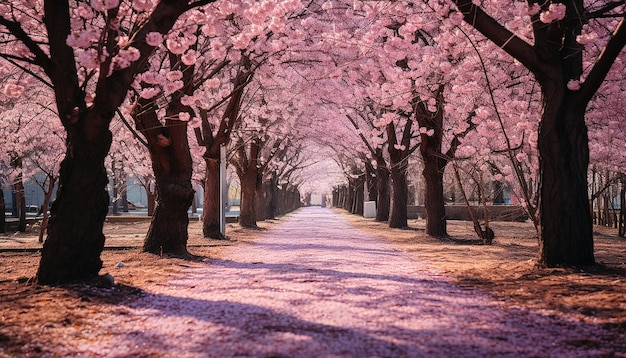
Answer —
(269, 77)
(520, 104)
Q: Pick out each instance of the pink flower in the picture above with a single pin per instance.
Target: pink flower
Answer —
(555, 12)
(174, 75)
(148, 92)
(573, 85)
(184, 116)
(154, 38)
(13, 90)
(190, 57)
(104, 5)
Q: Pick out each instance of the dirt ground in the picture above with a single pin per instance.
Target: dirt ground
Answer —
(507, 270)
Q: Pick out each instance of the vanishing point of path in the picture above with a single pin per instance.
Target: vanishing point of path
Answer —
(313, 286)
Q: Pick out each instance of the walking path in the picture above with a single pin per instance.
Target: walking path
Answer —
(314, 286)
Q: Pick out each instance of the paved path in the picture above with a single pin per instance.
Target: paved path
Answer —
(315, 287)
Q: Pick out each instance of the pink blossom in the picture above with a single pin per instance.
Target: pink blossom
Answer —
(104, 5)
(174, 75)
(190, 57)
(152, 77)
(534, 9)
(184, 116)
(82, 39)
(88, 58)
(142, 5)
(130, 54)
(149, 92)
(13, 89)
(212, 83)
(84, 11)
(171, 87)
(555, 12)
(573, 85)
(175, 45)
(587, 37)
(187, 100)
(154, 38)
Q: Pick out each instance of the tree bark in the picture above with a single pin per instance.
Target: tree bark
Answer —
(371, 182)
(399, 191)
(383, 202)
(172, 166)
(247, 213)
(621, 227)
(436, 222)
(211, 200)
(434, 165)
(3, 217)
(46, 204)
(75, 239)
(398, 162)
(566, 228)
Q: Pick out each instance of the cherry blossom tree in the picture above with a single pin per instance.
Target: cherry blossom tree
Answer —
(89, 55)
(560, 52)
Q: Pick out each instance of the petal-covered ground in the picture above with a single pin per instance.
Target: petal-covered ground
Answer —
(314, 286)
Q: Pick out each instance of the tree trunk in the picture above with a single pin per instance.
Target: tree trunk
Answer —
(20, 203)
(247, 213)
(211, 200)
(270, 198)
(621, 227)
(383, 202)
(172, 166)
(3, 217)
(371, 183)
(150, 199)
(399, 191)
(168, 228)
(359, 196)
(75, 239)
(46, 205)
(566, 229)
(436, 223)
(260, 202)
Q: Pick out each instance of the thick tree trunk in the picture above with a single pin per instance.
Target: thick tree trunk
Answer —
(566, 225)
(383, 202)
(75, 239)
(172, 167)
(359, 197)
(270, 198)
(399, 191)
(168, 229)
(211, 200)
(260, 202)
(436, 223)
(247, 213)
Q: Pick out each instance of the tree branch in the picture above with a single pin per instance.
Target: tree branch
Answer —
(603, 64)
